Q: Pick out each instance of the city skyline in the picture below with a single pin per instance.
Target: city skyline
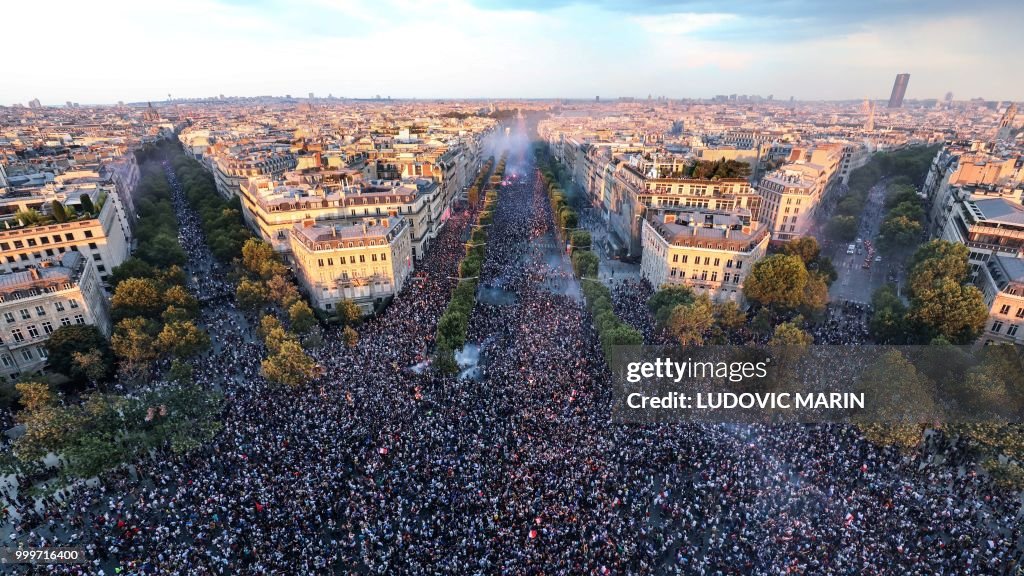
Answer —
(515, 49)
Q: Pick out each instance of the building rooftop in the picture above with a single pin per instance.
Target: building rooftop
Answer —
(49, 274)
(336, 234)
(703, 228)
(998, 210)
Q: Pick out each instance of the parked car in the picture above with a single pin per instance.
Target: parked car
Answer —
(851, 249)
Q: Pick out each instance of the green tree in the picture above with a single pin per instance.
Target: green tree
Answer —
(130, 268)
(66, 341)
(950, 309)
(585, 264)
(283, 292)
(182, 339)
(907, 406)
(444, 360)
(290, 365)
(301, 317)
(690, 322)
(47, 423)
(350, 336)
(349, 313)
(59, 213)
(665, 300)
(137, 297)
(92, 365)
(86, 203)
(791, 335)
(729, 316)
(778, 280)
(888, 323)
(936, 261)
(451, 329)
(251, 294)
(179, 297)
(815, 296)
(898, 232)
(580, 239)
(842, 228)
(806, 248)
(259, 258)
(134, 343)
(621, 335)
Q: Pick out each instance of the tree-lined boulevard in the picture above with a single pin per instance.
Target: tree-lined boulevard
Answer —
(351, 452)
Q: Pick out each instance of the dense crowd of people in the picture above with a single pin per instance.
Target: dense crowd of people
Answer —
(377, 468)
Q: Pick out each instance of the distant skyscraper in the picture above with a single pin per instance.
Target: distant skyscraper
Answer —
(899, 90)
(310, 95)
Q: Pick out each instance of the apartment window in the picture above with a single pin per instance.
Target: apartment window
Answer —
(736, 279)
(739, 264)
(95, 257)
(18, 336)
(92, 245)
(73, 303)
(675, 257)
(79, 319)
(726, 277)
(714, 276)
(65, 321)
(69, 236)
(42, 352)
(1012, 330)
(101, 268)
(8, 317)
(351, 259)
(703, 274)
(383, 257)
(728, 263)
(49, 252)
(47, 328)
(31, 241)
(997, 326)
(320, 262)
(685, 258)
(27, 354)
(362, 259)
(330, 261)
(59, 306)
(56, 238)
(5, 246)
(40, 311)
(88, 234)
(672, 273)
(1004, 309)
(44, 240)
(6, 360)
(19, 244)
(24, 314)
(33, 331)
(716, 261)
(373, 257)
(1020, 313)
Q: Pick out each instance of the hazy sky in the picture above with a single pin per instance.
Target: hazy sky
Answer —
(110, 50)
